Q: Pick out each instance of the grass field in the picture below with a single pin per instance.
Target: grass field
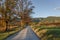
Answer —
(4, 35)
(47, 33)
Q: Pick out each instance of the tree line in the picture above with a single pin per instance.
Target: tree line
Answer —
(10, 9)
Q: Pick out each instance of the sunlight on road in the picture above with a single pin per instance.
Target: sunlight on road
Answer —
(25, 34)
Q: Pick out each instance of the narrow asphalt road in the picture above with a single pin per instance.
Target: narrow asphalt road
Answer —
(25, 34)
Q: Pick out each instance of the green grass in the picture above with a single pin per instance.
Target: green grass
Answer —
(6, 34)
(53, 33)
(44, 27)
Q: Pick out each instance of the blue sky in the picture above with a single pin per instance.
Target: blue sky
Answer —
(44, 8)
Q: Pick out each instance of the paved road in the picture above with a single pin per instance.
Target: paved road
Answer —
(25, 34)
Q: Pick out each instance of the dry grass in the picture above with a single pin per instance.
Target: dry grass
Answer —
(48, 33)
(3, 35)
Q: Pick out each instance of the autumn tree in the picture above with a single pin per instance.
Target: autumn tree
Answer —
(23, 7)
(9, 10)
(25, 10)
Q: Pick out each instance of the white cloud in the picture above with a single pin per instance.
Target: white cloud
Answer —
(57, 8)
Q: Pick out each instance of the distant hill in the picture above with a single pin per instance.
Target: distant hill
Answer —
(51, 19)
(35, 19)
